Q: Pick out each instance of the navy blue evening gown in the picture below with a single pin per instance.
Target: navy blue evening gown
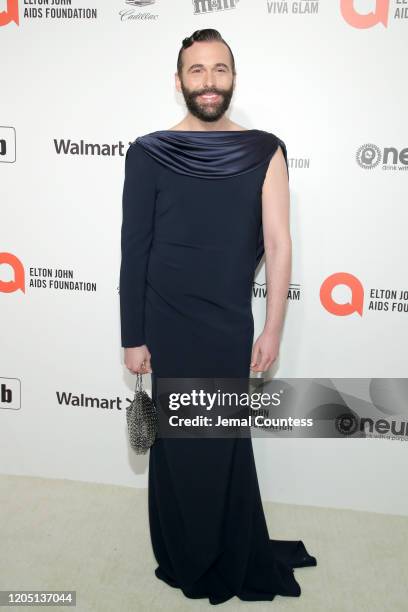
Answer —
(191, 240)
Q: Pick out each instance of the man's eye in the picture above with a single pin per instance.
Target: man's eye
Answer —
(218, 69)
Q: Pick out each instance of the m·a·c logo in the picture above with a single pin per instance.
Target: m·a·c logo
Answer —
(10, 14)
(18, 281)
(367, 20)
(342, 309)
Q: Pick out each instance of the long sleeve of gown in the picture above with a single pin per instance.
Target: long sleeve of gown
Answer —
(138, 201)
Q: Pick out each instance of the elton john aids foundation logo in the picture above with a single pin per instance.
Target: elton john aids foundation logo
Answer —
(63, 10)
(10, 14)
(39, 277)
(347, 308)
(18, 280)
(369, 19)
(350, 296)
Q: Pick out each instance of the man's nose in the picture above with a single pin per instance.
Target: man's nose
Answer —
(208, 80)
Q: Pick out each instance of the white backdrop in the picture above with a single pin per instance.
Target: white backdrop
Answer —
(328, 79)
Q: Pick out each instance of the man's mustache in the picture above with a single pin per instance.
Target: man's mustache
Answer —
(203, 93)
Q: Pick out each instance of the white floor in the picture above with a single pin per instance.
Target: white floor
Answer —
(61, 534)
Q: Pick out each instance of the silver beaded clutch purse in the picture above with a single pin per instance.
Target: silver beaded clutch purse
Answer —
(142, 420)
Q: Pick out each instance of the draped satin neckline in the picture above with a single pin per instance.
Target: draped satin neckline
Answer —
(213, 154)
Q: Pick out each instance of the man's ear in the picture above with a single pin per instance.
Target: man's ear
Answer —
(177, 81)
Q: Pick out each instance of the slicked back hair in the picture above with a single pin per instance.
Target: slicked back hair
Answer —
(209, 34)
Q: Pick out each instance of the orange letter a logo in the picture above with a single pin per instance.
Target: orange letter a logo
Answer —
(357, 20)
(10, 14)
(357, 294)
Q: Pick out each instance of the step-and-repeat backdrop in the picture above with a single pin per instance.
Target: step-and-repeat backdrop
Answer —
(80, 80)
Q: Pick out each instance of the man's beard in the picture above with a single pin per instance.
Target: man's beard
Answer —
(207, 111)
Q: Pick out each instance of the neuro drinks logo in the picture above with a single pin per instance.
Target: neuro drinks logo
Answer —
(211, 6)
(352, 296)
(370, 156)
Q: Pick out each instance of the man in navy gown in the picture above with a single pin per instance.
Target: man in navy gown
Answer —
(203, 201)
